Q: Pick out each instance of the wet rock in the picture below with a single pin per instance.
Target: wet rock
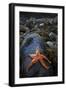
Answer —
(51, 44)
(53, 36)
(53, 29)
(30, 23)
(55, 20)
(30, 43)
(41, 20)
(52, 55)
(50, 20)
(36, 29)
(37, 41)
(24, 28)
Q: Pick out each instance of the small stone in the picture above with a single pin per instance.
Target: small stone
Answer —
(53, 36)
(51, 44)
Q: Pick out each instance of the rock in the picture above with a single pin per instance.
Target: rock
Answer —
(30, 43)
(41, 25)
(53, 36)
(30, 23)
(33, 39)
(55, 20)
(53, 29)
(41, 20)
(50, 20)
(35, 29)
(24, 28)
(51, 44)
(52, 55)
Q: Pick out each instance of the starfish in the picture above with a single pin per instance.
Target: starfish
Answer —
(38, 57)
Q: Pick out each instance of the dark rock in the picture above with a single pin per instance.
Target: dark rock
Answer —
(35, 29)
(52, 55)
(24, 28)
(53, 29)
(55, 20)
(53, 36)
(41, 25)
(30, 23)
(50, 20)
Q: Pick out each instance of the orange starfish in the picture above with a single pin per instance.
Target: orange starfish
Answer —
(38, 57)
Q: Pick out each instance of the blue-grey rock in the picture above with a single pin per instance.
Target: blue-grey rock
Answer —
(30, 43)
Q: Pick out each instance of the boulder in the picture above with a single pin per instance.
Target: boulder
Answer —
(30, 43)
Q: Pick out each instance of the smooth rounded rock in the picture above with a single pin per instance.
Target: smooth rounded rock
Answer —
(30, 43)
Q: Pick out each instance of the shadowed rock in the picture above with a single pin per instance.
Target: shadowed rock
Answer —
(53, 36)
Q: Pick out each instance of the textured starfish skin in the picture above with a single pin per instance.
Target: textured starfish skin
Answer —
(38, 57)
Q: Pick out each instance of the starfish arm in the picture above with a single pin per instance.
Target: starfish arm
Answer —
(43, 64)
(46, 59)
(33, 62)
(32, 55)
